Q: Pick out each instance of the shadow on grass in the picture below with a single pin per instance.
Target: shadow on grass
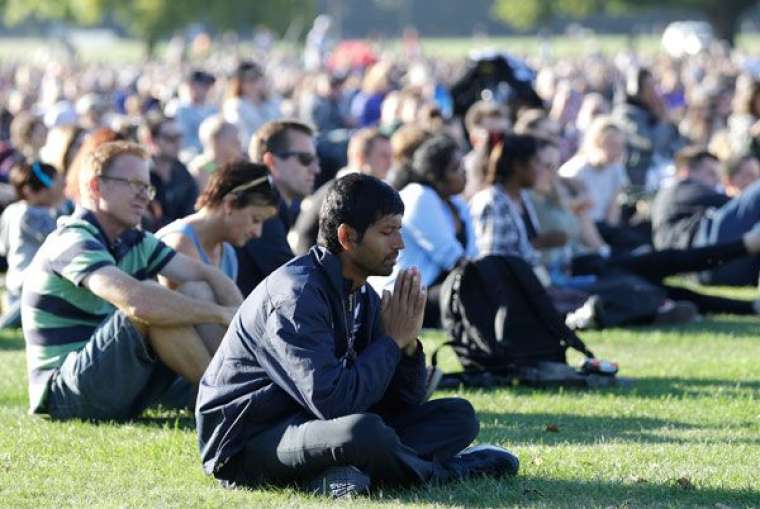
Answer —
(657, 387)
(552, 429)
(154, 417)
(11, 342)
(651, 388)
(725, 325)
(179, 422)
(523, 491)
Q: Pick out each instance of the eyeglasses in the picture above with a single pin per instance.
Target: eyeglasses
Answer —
(305, 158)
(137, 186)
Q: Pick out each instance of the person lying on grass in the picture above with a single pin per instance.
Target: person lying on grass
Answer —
(320, 383)
(103, 340)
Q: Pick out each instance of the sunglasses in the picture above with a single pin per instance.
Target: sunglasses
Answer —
(305, 158)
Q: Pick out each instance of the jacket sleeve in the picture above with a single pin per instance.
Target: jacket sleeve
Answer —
(299, 355)
(408, 384)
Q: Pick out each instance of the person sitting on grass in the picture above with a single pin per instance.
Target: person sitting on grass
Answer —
(320, 383)
(231, 211)
(504, 219)
(104, 341)
(24, 226)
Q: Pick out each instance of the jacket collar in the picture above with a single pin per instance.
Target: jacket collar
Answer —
(331, 266)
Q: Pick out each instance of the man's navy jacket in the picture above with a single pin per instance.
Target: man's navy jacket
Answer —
(287, 351)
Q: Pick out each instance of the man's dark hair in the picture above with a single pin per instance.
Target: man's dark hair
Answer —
(358, 201)
(692, 156)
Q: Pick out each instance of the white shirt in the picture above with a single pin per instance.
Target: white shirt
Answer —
(602, 183)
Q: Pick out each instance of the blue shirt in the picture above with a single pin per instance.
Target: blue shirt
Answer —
(228, 263)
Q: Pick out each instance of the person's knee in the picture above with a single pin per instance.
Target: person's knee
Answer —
(197, 290)
(368, 434)
(461, 411)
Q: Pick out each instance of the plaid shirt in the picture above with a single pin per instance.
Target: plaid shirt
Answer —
(499, 226)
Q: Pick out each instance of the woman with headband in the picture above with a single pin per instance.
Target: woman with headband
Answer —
(24, 225)
(230, 212)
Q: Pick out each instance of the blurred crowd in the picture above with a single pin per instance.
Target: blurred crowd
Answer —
(618, 122)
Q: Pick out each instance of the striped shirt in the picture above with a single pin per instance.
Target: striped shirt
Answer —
(499, 225)
(59, 314)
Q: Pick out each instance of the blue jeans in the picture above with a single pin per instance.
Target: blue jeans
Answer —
(730, 223)
(114, 376)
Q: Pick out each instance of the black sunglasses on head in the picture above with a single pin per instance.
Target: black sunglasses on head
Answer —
(305, 158)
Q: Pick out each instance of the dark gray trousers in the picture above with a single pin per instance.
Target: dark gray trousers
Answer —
(400, 449)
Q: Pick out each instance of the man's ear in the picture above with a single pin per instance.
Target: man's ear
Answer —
(93, 186)
(268, 160)
(347, 237)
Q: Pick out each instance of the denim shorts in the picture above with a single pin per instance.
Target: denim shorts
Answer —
(114, 376)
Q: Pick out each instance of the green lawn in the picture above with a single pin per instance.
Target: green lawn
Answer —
(687, 433)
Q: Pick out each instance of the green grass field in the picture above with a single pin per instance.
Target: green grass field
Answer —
(687, 433)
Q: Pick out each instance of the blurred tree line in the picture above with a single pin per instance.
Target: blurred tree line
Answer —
(153, 19)
(723, 15)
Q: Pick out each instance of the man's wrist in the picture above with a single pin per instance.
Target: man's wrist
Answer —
(411, 348)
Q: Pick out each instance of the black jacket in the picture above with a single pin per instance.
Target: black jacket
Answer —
(677, 211)
(287, 351)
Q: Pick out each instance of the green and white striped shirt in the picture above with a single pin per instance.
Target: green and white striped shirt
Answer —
(59, 314)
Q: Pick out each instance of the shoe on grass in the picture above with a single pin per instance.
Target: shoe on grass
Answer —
(340, 482)
(675, 312)
(483, 460)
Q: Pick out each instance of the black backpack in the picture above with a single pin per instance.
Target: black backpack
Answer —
(504, 329)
